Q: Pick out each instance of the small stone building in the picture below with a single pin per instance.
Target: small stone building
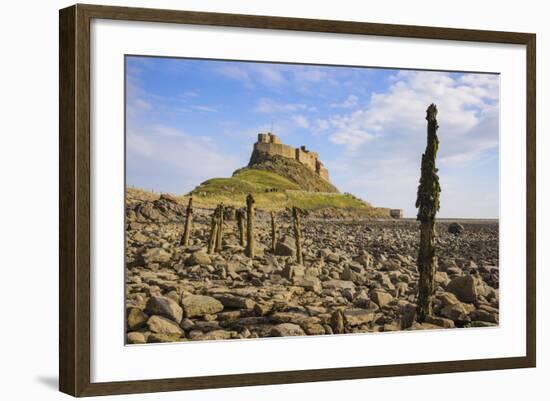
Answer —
(396, 213)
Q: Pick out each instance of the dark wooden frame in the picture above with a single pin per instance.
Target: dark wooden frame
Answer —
(74, 199)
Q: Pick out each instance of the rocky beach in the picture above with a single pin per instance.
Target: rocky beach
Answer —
(359, 274)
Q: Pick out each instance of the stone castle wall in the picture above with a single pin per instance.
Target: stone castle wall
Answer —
(307, 158)
(271, 144)
(276, 149)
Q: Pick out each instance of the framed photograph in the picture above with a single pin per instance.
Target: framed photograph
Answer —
(249, 200)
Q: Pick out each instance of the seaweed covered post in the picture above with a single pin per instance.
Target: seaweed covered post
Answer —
(273, 232)
(427, 202)
(298, 235)
(219, 233)
(250, 226)
(240, 225)
(188, 223)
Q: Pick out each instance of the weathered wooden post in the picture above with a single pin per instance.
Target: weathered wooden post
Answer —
(219, 233)
(250, 226)
(298, 235)
(240, 225)
(273, 232)
(213, 231)
(188, 223)
(427, 202)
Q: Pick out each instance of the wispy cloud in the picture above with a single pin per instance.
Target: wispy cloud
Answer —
(301, 121)
(266, 105)
(235, 72)
(190, 93)
(351, 101)
(207, 109)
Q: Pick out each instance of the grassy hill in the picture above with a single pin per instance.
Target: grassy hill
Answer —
(278, 183)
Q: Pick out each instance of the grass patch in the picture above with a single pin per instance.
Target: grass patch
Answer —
(264, 180)
(319, 200)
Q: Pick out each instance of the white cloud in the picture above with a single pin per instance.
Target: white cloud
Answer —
(321, 125)
(301, 121)
(463, 108)
(208, 109)
(190, 94)
(235, 72)
(351, 101)
(269, 75)
(351, 137)
(309, 74)
(266, 105)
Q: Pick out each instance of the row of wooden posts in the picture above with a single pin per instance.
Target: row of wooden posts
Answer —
(242, 215)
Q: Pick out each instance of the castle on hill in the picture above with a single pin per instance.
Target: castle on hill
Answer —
(271, 144)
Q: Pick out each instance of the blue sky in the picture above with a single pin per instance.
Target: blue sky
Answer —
(190, 120)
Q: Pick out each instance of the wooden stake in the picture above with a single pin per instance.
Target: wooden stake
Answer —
(240, 225)
(298, 235)
(273, 232)
(250, 226)
(219, 233)
(213, 232)
(188, 223)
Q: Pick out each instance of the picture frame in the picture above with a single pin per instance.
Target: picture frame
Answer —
(76, 208)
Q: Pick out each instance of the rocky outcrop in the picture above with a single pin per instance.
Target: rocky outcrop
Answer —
(293, 170)
(162, 210)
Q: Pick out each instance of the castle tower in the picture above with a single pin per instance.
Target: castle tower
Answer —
(270, 144)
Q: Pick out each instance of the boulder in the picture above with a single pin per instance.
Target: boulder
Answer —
(169, 198)
(338, 284)
(285, 247)
(464, 287)
(314, 329)
(200, 305)
(357, 316)
(441, 278)
(162, 338)
(381, 298)
(135, 337)
(484, 316)
(286, 330)
(350, 275)
(157, 255)
(308, 283)
(458, 313)
(232, 301)
(455, 228)
(291, 271)
(162, 306)
(408, 313)
(161, 325)
(198, 258)
(135, 319)
(212, 335)
(140, 238)
(440, 321)
(365, 259)
(447, 298)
